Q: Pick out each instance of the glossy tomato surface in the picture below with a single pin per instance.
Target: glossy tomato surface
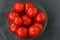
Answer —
(40, 18)
(33, 31)
(39, 25)
(28, 4)
(30, 9)
(13, 27)
(11, 16)
(21, 32)
(18, 20)
(43, 16)
(26, 20)
(18, 6)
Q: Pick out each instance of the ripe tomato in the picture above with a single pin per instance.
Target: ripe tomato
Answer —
(21, 32)
(26, 20)
(18, 6)
(39, 25)
(43, 16)
(28, 4)
(33, 31)
(40, 18)
(31, 11)
(18, 20)
(13, 27)
(11, 16)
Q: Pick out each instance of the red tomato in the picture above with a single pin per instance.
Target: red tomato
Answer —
(18, 20)
(28, 4)
(31, 11)
(40, 18)
(43, 16)
(33, 31)
(21, 32)
(39, 25)
(11, 16)
(18, 6)
(13, 27)
(26, 20)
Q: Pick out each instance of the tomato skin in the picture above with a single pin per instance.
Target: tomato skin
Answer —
(30, 9)
(18, 20)
(40, 18)
(33, 31)
(13, 27)
(26, 20)
(18, 6)
(21, 32)
(39, 25)
(43, 16)
(11, 16)
(28, 4)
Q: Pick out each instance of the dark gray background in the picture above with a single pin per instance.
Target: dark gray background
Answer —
(52, 31)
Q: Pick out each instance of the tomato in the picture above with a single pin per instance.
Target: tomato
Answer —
(18, 20)
(21, 32)
(40, 18)
(18, 6)
(43, 16)
(26, 20)
(28, 4)
(13, 27)
(11, 16)
(39, 25)
(30, 9)
(33, 31)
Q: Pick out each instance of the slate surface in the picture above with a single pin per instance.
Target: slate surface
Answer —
(52, 31)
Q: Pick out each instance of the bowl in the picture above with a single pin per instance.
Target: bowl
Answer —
(40, 8)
